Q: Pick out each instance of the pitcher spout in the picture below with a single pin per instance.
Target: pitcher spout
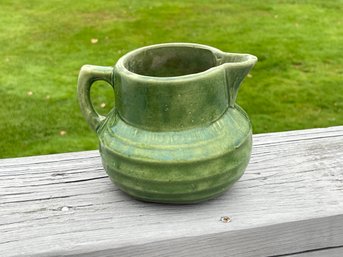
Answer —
(236, 68)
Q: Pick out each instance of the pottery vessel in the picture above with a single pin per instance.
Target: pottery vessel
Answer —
(175, 134)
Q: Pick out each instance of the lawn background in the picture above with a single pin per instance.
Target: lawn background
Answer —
(296, 84)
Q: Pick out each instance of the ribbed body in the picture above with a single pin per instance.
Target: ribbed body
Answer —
(185, 166)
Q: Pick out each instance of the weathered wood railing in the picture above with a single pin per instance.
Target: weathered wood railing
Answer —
(288, 203)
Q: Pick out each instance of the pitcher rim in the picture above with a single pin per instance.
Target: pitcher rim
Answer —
(218, 54)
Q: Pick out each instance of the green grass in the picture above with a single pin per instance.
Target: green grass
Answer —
(296, 84)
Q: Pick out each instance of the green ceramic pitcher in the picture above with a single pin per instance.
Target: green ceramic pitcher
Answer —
(175, 134)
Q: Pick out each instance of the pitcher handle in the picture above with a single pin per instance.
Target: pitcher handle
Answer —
(87, 76)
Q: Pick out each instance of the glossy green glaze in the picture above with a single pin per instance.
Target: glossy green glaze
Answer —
(175, 134)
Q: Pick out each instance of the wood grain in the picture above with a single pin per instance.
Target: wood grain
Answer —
(330, 252)
(288, 203)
